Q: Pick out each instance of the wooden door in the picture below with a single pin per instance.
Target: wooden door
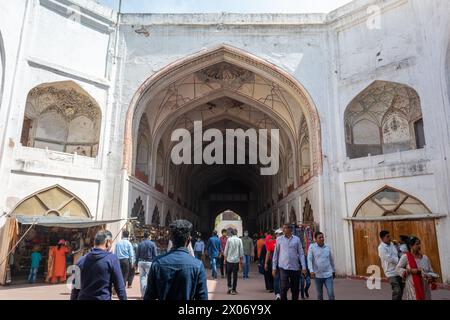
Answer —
(366, 241)
(425, 230)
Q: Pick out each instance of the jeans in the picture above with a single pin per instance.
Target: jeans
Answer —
(397, 287)
(277, 284)
(221, 265)
(328, 282)
(213, 262)
(289, 279)
(144, 270)
(247, 260)
(305, 284)
(232, 270)
(33, 274)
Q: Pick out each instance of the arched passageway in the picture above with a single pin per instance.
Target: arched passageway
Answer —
(217, 91)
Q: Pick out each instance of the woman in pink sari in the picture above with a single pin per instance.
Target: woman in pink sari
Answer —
(415, 268)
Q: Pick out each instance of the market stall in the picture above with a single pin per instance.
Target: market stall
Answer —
(50, 218)
(305, 231)
(23, 235)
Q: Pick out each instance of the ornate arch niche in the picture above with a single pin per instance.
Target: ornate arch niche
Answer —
(138, 211)
(222, 71)
(156, 219)
(292, 216)
(389, 201)
(385, 118)
(55, 201)
(168, 219)
(62, 117)
(308, 215)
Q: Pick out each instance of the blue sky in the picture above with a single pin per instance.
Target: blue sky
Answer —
(239, 6)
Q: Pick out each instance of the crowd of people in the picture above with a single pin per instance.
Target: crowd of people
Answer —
(286, 265)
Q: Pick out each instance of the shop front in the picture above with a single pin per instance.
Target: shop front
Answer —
(52, 222)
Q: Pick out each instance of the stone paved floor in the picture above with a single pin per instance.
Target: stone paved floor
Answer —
(250, 289)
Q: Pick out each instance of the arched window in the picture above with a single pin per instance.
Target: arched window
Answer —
(384, 118)
(390, 202)
(62, 117)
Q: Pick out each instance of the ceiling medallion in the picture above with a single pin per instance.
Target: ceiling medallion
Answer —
(226, 74)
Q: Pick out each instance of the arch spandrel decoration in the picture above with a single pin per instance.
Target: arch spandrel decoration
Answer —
(55, 201)
(389, 201)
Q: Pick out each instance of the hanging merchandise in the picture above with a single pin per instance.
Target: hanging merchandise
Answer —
(158, 234)
(305, 232)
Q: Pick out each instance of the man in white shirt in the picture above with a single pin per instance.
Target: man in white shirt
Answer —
(389, 259)
(233, 254)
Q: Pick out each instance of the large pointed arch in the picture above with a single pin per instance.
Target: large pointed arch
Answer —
(204, 59)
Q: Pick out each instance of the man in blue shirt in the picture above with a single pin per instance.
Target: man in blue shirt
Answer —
(289, 258)
(214, 252)
(146, 253)
(125, 253)
(99, 270)
(177, 275)
(321, 266)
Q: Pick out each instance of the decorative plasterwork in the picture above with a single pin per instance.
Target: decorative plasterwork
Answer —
(68, 102)
(381, 99)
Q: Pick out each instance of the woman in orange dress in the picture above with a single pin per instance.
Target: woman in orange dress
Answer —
(59, 264)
